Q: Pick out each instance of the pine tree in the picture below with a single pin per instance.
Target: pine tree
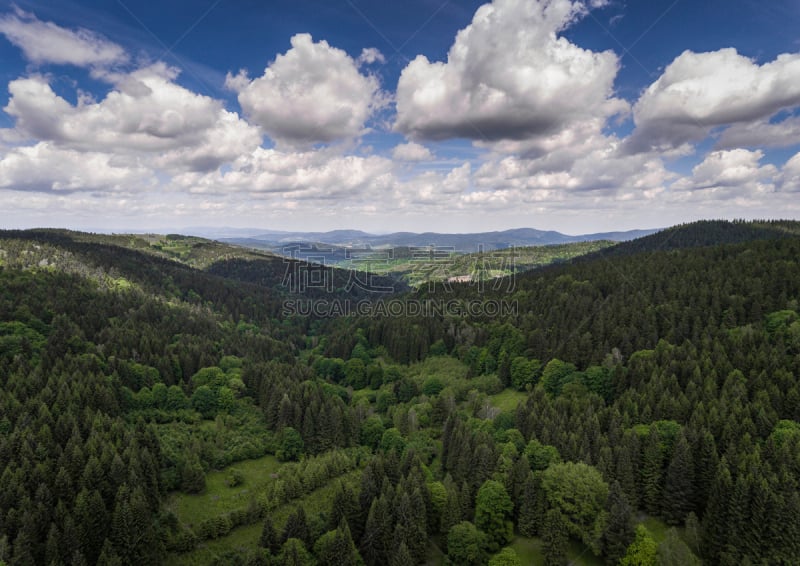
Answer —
(269, 537)
(619, 531)
(554, 538)
(678, 498)
(376, 541)
(336, 548)
(297, 527)
(528, 508)
(402, 556)
(715, 519)
(651, 472)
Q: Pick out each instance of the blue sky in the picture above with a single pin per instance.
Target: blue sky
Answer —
(419, 115)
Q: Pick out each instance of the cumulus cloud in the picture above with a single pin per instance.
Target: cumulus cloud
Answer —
(45, 42)
(761, 134)
(700, 91)
(370, 55)
(312, 174)
(146, 112)
(603, 170)
(411, 152)
(312, 93)
(445, 190)
(790, 175)
(730, 173)
(508, 76)
(44, 167)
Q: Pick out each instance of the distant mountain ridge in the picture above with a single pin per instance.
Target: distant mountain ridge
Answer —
(517, 237)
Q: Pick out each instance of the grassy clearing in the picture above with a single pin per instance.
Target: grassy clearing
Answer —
(219, 498)
(435, 556)
(315, 503)
(659, 528)
(529, 550)
(445, 368)
(508, 399)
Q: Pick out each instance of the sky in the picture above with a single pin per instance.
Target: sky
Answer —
(423, 115)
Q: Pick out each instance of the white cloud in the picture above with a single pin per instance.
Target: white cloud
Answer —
(602, 170)
(700, 91)
(146, 113)
(370, 55)
(761, 134)
(411, 152)
(435, 189)
(790, 175)
(730, 173)
(45, 168)
(508, 76)
(312, 93)
(314, 174)
(45, 42)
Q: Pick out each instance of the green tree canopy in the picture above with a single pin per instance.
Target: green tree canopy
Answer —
(579, 492)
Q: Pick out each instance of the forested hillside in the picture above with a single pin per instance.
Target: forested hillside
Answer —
(640, 405)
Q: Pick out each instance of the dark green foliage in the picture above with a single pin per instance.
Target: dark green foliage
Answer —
(269, 537)
(294, 553)
(555, 536)
(297, 527)
(336, 548)
(619, 531)
(678, 499)
(192, 476)
(530, 508)
(685, 392)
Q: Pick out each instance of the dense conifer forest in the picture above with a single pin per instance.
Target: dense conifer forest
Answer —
(639, 406)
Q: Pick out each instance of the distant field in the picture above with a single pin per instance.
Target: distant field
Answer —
(474, 267)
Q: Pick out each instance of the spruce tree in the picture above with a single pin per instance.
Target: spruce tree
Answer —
(619, 531)
(528, 508)
(678, 498)
(554, 538)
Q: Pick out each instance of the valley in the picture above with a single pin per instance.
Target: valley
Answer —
(640, 407)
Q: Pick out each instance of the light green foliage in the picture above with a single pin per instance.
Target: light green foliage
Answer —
(356, 373)
(785, 431)
(493, 508)
(291, 445)
(294, 553)
(235, 477)
(524, 372)
(555, 375)
(506, 557)
(465, 545)
(674, 552)
(392, 439)
(372, 431)
(643, 551)
(579, 492)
